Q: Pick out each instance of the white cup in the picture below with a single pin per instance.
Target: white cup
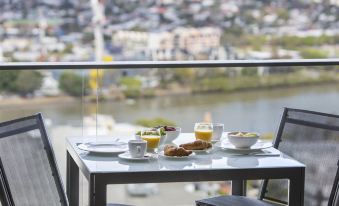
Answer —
(218, 129)
(137, 148)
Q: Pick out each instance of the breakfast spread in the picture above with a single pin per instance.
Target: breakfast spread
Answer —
(197, 145)
(174, 151)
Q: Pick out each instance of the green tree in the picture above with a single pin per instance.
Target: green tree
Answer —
(28, 81)
(7, 80)
(309, 53)
(131, 86)
(71, 83)
(249, 71)
(184, 75)
(155, 122)
(18, 81)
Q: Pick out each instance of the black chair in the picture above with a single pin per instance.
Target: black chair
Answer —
(28, 171)
(310, 137)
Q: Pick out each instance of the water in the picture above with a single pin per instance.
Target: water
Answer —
(251, 111)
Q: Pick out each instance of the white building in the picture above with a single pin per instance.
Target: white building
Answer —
(49, 86)
(181, 43)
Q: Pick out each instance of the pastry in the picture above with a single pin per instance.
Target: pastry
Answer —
(171, 150)
(196, 145)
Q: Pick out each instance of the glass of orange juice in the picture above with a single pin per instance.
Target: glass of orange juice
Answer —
(203, 131)
(152, 137)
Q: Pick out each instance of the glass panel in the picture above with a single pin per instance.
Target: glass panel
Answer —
(243, 99)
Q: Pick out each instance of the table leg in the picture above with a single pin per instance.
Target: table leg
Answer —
(297, 189)
(97, 191)
(239, 187)
(72, 180)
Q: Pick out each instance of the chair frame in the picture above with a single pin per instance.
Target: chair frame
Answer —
(6, 197)
(286, 119)
(335, 189)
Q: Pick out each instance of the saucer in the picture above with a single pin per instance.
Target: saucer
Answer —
(257, 146)
(127, 156)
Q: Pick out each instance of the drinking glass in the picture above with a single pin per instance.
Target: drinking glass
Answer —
(152, 138)
(218, 129)
(203, 131)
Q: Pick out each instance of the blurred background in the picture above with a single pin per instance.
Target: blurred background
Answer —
(124, 100)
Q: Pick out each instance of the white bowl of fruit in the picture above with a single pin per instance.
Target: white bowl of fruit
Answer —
(243, 139)
(171, 133)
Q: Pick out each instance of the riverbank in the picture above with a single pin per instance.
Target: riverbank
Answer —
(245, 83)
(38, 101)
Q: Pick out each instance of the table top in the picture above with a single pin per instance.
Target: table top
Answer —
(217, 159)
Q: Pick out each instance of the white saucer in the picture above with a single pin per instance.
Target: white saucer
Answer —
(225, 145)
(176, 157)
(104, 147)
(127, 156)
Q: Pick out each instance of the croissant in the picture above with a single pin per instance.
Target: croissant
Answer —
(196, 145)
(171, 150)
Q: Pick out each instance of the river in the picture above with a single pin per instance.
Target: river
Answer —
(251, 110)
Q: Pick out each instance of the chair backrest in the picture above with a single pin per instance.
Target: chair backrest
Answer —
(334, 197)
(29, 171)
(5, 195)
(312, 138)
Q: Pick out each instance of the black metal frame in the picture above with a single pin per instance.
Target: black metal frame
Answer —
(335, 189)
(286, 119)
(49, 152)
(166, 64)
(5, 194)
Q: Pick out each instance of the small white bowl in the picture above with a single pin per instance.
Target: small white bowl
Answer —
(172, 135)
(241, 141)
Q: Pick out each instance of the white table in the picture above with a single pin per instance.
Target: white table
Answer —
(101, 170)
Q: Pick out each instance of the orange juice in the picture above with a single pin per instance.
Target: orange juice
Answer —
(204, 135)
(152, 141)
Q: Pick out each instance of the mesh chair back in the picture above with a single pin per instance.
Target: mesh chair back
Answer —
(29, 164)
(5, 195)
(312, 138)
(334, 197)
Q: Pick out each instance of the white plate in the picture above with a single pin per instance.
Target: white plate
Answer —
(127, 156)
(176, 157)
(213, 141)
(104, 147)
(202, 151)
(257, 146)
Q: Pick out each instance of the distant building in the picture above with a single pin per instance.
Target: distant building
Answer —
(178, 44)
(50, 86)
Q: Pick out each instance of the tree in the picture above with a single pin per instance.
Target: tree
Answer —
(155, 122)
(131, 86)
(18, 81)
(28, 81)
(7, 80)
(309, 53)
(71, 83)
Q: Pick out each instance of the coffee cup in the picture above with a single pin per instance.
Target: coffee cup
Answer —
(218, 129)
(137, 148)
